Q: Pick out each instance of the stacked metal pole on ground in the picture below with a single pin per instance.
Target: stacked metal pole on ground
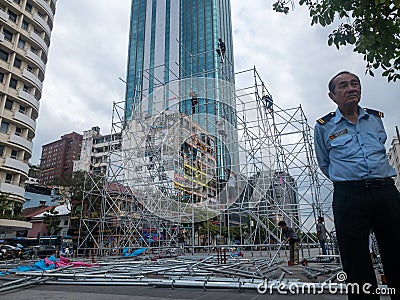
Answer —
(186, 271)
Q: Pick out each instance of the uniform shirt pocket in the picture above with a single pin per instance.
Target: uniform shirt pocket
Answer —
(341, 147)
(340, 141)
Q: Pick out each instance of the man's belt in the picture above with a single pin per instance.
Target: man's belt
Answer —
(368, 183)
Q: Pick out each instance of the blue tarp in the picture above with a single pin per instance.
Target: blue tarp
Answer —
(125, 252)
(40, 265)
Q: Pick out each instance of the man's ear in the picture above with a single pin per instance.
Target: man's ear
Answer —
(332, 96)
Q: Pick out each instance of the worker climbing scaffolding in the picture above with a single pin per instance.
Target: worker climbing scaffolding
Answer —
(221, 50)
(268, 102)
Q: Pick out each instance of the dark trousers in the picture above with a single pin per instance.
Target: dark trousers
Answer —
(323, 247)
(356, 210)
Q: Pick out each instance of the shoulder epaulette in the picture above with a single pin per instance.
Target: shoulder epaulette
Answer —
(325, 119)
(374, 112)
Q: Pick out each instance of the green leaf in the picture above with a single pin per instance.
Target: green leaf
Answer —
(351, 39)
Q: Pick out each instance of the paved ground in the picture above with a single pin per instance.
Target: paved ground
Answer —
(139, 292)
(91, 292)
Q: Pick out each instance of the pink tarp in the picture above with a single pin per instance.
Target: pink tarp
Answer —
(65, 262)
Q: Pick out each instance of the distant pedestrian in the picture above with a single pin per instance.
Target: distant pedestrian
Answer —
(181, 241)
(293, 240)
(321, 234)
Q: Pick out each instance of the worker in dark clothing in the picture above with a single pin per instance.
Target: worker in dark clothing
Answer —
(221, 49)
(268, 102)
(293, 240)
(194, 101)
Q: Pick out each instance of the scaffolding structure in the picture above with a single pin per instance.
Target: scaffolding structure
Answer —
(206, 160)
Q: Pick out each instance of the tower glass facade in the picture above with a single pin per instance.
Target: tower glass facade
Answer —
(180, 114)
(178, 39)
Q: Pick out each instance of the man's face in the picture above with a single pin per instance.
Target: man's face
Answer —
(347, 92)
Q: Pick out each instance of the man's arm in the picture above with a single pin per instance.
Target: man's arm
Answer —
(320, 150)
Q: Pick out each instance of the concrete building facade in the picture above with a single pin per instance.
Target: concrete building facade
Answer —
(25, 32)
(57, 159)
(95, 150)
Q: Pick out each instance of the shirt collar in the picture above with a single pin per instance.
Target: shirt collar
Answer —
(339, 116)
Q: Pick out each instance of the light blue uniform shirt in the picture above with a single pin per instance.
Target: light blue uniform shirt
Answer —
(347, 151)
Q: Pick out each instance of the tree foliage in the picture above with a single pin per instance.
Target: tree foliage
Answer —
(372, 26)
(51, 221)
(10, 209)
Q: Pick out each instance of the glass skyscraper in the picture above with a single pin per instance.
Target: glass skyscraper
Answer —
(180, 114)
(178, 39)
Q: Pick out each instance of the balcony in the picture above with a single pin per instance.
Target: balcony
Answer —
(33, 78)
(29, 98)
(42, 23)
(40, 41)
(22, 142)
(36, 59)
(47, 8)
(25, 119)
(9, 188)
(3, 15)
(17, 165)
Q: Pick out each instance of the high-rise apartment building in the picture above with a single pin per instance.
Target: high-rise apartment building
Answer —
(25, 31)
(95, 150)
(57, 160)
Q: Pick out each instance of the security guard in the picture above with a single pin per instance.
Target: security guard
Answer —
(350, 149)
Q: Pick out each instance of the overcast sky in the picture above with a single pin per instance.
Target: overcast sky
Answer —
(88, 55)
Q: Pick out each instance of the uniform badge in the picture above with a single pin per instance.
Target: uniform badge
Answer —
(337, 134)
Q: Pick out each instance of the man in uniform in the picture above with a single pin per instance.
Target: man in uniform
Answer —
(350, 149)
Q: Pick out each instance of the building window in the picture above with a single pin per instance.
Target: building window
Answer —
(3, 55)
(33, 50)
(22, 109)
(29, 68)
(27, 88)
(21, 44)
(12, 16)
(25, 25)
(4, 127)
(1, 77)
(17, 63)
(7, 35)
(18, 131)
(14, 154)
(17, 1)
(13, 83)
(9, 104)
(1, 150)
(28, 7)
(9, 178)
